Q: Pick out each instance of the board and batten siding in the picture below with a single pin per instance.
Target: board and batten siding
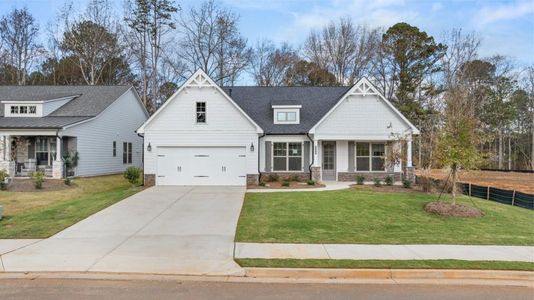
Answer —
(94, 138)
(362, 118)
(175, 126)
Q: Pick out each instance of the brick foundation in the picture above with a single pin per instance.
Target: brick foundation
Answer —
(302, 176)
(252, 179)
(149, 180)
(369, 176)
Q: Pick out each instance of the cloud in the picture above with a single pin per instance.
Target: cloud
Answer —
(436, 6)
(489, 15)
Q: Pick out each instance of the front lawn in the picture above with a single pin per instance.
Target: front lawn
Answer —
(368, 217)
(42, 214)
(386, 264)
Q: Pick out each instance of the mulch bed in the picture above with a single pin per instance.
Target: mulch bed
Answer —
(26, 185)
(292, 185)
(447, 209)
(387, 188)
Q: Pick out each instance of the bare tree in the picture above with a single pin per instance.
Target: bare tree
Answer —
(343, 49)
(211, 41)
(18, 32)
(461, 48)
(270, 65)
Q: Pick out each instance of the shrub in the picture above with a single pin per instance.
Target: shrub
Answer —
(388, 180)
(377, 181)
(38, 179)
(3, 176)
(67, 181)
(407, 183)
(262, 183)
(294, 177)
(285, 183)
(132, 174)
(273, 177)
(310, 182)
(360, 179)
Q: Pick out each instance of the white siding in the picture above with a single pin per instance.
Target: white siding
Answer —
(95, 138)
(176, 125)
(282, 138)
(363, 118)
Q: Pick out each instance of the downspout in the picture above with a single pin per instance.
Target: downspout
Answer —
(143, 150)
(259, 149)
(312, 146)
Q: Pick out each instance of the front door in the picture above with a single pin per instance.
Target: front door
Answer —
(329, 160)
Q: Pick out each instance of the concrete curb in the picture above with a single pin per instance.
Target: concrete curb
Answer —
(298, 276)
(478, 277)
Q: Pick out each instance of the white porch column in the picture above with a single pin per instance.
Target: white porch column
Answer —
(7, 147)
(316, 154)
(58, 148)
(57, 164)
(409, 152)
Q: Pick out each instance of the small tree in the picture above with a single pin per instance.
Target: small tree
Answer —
(132, 174)
(457, 146)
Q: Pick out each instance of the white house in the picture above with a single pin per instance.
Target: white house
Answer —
(208, 135)
(40, 125)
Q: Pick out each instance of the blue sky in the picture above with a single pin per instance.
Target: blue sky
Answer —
(506, 27)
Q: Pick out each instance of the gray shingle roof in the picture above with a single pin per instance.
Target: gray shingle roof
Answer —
(89, 102)
(257, 102)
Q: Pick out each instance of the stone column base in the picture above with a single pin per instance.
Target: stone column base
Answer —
(316, 173)
(149, 180)
(253, 178)
(9, 166)
(409, 173)
(57, 169)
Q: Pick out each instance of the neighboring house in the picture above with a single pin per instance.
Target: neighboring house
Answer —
(40, 125)
(208, 135)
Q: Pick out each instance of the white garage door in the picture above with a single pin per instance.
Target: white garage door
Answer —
(201, 166)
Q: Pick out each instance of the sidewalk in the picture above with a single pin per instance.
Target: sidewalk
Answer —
(329, 186)
(384, 252)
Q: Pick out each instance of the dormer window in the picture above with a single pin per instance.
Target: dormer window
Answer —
(14, 109)
(286, 114)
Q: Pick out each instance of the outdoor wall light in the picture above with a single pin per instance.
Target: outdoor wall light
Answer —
(149, 147)
(251, 147)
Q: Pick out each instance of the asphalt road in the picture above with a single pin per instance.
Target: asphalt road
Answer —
(44, 289)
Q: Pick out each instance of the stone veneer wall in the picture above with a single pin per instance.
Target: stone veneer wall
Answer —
(149, 180)
(410, 173)
(252, 179)
(369, 176)
(316, 173)
(303, 176)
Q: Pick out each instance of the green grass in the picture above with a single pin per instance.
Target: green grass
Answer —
(41, 221)
(386, 264)
(367, 217)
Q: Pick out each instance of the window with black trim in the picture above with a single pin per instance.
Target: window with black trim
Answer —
(14, 109)
(114, 148)
(370, 157)
(201, 112)
(287, 156)
(126, 153)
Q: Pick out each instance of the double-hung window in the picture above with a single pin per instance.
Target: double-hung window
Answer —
(126, 153)
(32, 109)
(14, 109)
(201, 112)
(287, 156)
(370, 156)
(114, 148)
(23, 109)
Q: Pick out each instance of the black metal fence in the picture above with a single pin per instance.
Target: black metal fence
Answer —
(513, 197)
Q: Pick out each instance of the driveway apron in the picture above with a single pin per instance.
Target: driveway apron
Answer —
(164, 229)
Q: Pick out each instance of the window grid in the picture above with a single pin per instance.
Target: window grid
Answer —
(201, 112)
(370, 157)
(126, 153)
(287, 156)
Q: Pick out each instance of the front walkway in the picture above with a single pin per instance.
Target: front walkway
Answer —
(162, 230)
(329, 186)
(384, 252)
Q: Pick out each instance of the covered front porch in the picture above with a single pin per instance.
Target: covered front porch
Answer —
(24, 152)
(344, 159)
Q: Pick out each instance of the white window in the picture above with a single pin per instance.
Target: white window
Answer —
(287, 156)
(286, 114)
(370, 157)
(201, 112)
(126, 153)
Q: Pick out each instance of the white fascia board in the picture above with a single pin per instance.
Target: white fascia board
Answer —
(39, 101)
(286, 106)
(375, 91)
(187, 84)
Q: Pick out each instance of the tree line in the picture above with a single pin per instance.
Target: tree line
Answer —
(156, 44)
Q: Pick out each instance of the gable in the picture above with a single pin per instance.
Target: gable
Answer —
(179, 111)
(364, 113)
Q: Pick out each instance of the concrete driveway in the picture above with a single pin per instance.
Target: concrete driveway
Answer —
(166, 230)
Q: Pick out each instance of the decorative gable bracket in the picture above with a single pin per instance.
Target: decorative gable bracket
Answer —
(200, 80)
(364, 88)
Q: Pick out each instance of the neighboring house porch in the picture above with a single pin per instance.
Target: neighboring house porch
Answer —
(26, 152)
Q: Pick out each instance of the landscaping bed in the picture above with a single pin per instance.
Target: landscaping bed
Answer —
(44, 213)
(279, 185)
(369, 217)
(27, 185)
(386, 264)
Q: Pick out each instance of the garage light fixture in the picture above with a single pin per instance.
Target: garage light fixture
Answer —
(251, 147)
(149, 147)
